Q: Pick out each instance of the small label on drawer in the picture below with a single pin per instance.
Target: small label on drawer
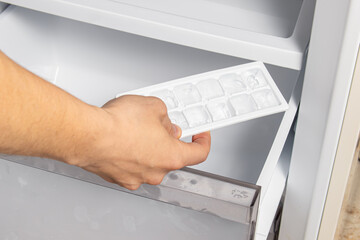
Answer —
(209, 187)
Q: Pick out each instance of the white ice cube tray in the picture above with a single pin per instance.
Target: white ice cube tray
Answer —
(218, 98)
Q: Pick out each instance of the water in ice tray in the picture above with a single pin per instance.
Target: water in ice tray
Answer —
(218, 98)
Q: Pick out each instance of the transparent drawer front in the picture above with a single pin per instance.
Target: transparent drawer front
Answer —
(206, 194)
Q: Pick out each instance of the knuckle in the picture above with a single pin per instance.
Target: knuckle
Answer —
(162, 108)
(155, 180)
(155, 100)
(159, 104)
(132, 186)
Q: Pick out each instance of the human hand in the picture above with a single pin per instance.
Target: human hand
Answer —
(129, 141)
(136, 143)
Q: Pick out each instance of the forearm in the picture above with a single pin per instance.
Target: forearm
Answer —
(129, 141)
(38, 118)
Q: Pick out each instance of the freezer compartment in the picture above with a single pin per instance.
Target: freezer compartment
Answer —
(95, 63)
(272, 31)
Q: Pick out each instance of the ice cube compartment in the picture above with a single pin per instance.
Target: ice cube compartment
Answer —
(219, 110)
(218, 98)
(167, 97)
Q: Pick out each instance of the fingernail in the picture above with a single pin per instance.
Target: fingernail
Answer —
(176, 131)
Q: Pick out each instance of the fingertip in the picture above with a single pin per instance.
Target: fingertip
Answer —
(202, 138)
(198, 150)
(176, 131)
(203, 134)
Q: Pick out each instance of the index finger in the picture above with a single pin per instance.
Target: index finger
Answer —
(196, 151)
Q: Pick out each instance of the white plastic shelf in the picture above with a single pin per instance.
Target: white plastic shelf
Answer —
(271, 31)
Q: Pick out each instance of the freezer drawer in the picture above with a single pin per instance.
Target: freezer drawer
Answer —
(95, 63)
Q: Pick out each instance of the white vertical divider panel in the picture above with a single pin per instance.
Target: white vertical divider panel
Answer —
(344, 161)
(271, 200)
(274, 173)
(329, 68)
(280, 138)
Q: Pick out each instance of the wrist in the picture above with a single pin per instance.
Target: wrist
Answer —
(93, 125)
